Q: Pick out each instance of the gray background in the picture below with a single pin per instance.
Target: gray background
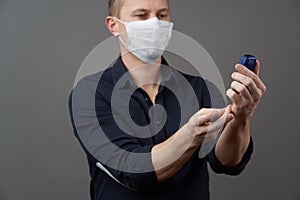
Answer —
(43, 42)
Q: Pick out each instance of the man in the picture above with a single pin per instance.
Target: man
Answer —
(176, 171)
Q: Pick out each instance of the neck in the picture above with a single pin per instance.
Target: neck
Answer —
(145, 76)
(142, 73)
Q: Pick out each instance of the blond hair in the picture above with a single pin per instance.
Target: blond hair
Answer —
(114, 7)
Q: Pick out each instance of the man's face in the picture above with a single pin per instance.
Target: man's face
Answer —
(135, 10)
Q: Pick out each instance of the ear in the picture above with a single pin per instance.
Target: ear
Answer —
(112, 26)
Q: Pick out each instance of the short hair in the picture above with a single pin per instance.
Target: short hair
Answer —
(114, 7)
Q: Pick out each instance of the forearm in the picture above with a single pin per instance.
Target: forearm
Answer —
(233, 142)
(245, 92)
(168, 157)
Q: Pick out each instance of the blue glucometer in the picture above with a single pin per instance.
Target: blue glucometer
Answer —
(248, 61)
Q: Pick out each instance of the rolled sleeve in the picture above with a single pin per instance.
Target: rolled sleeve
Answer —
(217, 167)
(146, 181)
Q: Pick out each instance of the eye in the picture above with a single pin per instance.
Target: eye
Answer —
(141, 16)
(162, 16)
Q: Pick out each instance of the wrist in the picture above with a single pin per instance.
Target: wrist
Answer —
(243, 120)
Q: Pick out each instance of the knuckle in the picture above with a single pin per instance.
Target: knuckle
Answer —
(204, 110)
(192, 121)
(248, 82)
(234, 75)
(242, 89)
(229, 93)
(258, 98)
(200, 121)
(256, 78)
(233, 84)
(260, 94)
(264, 89)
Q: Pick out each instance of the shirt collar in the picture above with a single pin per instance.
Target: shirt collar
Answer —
(119, 69)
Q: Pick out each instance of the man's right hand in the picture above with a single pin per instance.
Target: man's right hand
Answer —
(206, 124)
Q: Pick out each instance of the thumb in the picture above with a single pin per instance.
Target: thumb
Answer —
(228, 114)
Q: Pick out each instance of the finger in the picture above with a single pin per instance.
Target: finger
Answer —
(210, 129)
(202, 119)
(206, 132)
(207, 115)
(217, 113)
(209, 110)
(202, 128)
(245, 80)
(243, 70)
(257, 80)
(241, 89)
(212, 132)
(213, 129)
(248, 83)
(234, 97)
(217, 125)
(228, 114)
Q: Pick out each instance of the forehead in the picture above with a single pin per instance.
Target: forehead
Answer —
(151, 5)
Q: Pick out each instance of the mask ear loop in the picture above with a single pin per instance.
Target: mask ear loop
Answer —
(120, 20)
(122, 41)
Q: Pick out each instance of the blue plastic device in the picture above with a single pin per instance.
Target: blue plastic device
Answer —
(248, 61)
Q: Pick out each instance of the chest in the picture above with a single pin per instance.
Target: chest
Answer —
(162, 119)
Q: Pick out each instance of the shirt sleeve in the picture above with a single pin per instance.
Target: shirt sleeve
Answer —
(217, 167)
(90, 109)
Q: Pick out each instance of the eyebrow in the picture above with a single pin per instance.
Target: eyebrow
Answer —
(164, 9)
(145, 10)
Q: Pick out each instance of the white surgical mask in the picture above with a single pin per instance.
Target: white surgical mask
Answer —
(147, 39)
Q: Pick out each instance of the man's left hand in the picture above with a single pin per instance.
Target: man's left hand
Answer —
(246, 91)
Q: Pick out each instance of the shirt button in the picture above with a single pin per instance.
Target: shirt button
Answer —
(157, 122)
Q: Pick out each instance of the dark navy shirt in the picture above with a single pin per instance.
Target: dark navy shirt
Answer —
(107, 182)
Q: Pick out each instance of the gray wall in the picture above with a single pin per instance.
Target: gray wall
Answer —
(43, 42)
